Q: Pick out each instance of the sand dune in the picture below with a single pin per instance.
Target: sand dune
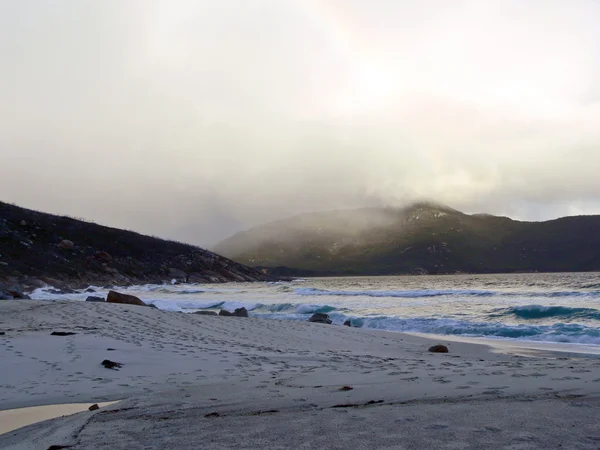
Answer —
(191, 381)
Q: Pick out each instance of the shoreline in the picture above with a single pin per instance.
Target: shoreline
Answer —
(497, 342)
(520, 347)
(195, 374)
(13, 419)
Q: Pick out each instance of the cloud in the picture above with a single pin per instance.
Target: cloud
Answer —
(194, 119)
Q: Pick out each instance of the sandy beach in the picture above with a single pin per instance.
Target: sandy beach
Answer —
(193, 381)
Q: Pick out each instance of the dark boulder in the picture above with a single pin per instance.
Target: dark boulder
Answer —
(66, 244)
(320, 318)
(206, 313)
(16, 292)
(93, 298)
(348, 323)
(240, 312)
(125, 299)
(34, 283)
(438, 349)
(94, 407)
(50, 281)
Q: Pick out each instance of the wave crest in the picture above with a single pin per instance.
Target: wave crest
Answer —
(532, 312)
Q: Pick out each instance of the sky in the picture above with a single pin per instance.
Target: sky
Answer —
(195, 119)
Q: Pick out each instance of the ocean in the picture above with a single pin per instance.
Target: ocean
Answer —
(558, 307)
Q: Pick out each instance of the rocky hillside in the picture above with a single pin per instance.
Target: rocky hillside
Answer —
(422, 238)
(57, 250)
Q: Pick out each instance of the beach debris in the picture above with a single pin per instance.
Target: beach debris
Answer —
(358, 405)
(66, 244)
(62, 333)
(2, 333)
(320, 318)
(206, 313)
(212, 414)
(345, 388)
(125, 299)
(111, 364)
(438, 349)
(58, 447)
(93, 298)
(94, 407)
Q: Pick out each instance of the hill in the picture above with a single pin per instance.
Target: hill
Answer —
(422, 238)
(59, 250)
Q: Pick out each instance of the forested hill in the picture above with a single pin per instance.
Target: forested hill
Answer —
(422, 238)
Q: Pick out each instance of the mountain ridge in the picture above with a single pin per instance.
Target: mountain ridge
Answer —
(424, 237)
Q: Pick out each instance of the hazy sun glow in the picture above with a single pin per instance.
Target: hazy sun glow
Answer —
(369, 89)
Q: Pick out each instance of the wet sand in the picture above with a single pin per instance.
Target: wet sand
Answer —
(12, 419)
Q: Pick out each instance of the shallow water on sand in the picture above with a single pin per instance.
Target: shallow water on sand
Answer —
(561, 307)
(11, 419)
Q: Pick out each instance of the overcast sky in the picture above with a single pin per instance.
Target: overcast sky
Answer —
(195, 119)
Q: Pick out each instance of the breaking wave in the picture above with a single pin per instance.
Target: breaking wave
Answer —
(558, 332)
